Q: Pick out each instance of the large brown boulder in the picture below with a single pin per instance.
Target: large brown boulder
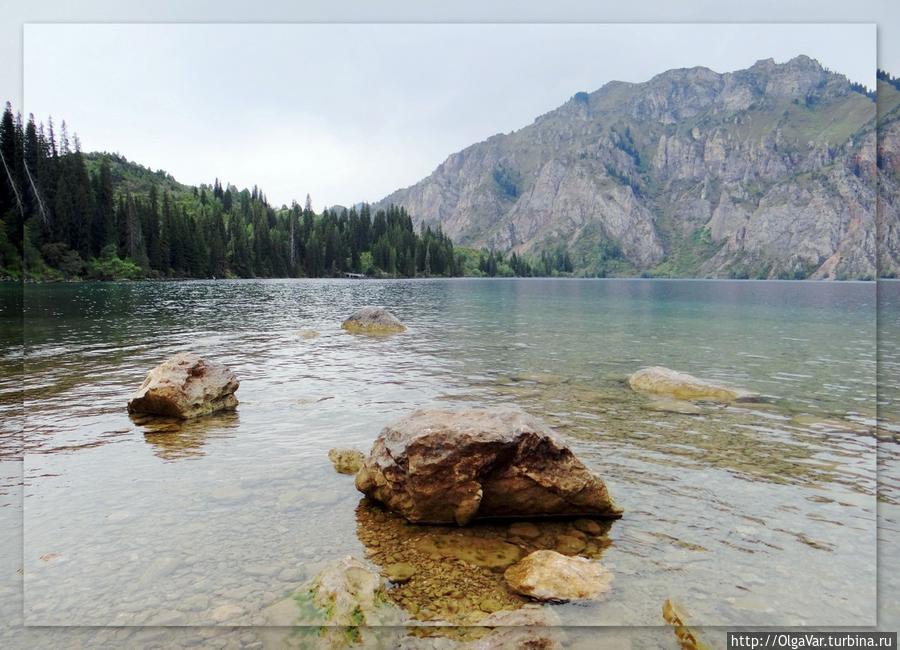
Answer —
(185, 386)
(436, 466)
(682, 386)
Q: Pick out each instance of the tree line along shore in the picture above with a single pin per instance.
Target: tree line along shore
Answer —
(70, 215)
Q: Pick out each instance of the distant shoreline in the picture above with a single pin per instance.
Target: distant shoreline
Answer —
(469, 277)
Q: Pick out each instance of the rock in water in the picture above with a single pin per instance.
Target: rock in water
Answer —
(346, 461)
(373, 320)
(548, 575)
(678, 406)
(186, 386)
(348, 590)
(687, 638)
(345, 592)
(682, 386)
(436, 466)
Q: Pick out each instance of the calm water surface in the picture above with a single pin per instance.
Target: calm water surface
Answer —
(751, 515)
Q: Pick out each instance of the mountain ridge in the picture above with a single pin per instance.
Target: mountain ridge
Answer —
(768, 171)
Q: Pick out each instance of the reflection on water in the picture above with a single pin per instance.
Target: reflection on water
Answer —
(176, 439)
(455, 574)
(748, 514)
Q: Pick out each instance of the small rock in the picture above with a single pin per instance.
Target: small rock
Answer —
(167, 618)
(259, 570)
(682, 386)
(307, 334)
(524, 529)
(489, 605)
(569, 544)
(589, 526)
(290, 574)
(676, 617)
(400, 572)
(677, 406)
(229, 492)
(551, 576)
(186, 386)
(373, 320)
(226, 612)
(346, 461)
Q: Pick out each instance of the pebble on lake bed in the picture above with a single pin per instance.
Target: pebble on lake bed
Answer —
(551, 576)
(373, 320)
(186, 386)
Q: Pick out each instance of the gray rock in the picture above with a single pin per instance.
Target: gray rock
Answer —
(373, 320)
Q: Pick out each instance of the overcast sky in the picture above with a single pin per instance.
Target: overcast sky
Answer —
(352, 112)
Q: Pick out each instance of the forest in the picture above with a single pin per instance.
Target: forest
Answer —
(66, 214)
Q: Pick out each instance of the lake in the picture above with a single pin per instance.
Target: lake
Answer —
(751, 514)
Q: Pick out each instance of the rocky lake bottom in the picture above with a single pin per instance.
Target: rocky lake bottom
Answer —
(743, 514)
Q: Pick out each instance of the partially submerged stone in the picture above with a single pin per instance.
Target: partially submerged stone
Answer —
(373, 320)
(551, 576)
(186, 386)
(346, 461)
(682, 386)
(675, 616)
(436, 466)
(344, 592)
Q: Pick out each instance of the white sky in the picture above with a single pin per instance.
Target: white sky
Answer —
(352, 112)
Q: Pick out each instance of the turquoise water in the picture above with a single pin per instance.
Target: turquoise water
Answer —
(757, 515)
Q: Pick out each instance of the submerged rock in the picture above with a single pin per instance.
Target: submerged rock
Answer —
(346, 461)
(399, 572)
(436, 466)
(186, 386)
(682, 386)
(678, 406)
(373, 320)
(533, 628)
(481, 551)
(548, 575)
(345, 592)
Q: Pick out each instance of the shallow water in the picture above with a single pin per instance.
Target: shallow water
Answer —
(751, 515)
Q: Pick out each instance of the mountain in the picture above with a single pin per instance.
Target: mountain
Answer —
(888, 216)
(766, 172)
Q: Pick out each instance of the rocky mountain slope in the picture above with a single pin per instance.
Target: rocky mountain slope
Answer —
(764, 172)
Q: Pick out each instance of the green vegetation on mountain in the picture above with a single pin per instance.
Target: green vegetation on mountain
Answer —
(768, 172)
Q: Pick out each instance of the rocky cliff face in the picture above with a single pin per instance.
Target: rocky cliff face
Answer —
(764, 172)
(888, 214)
